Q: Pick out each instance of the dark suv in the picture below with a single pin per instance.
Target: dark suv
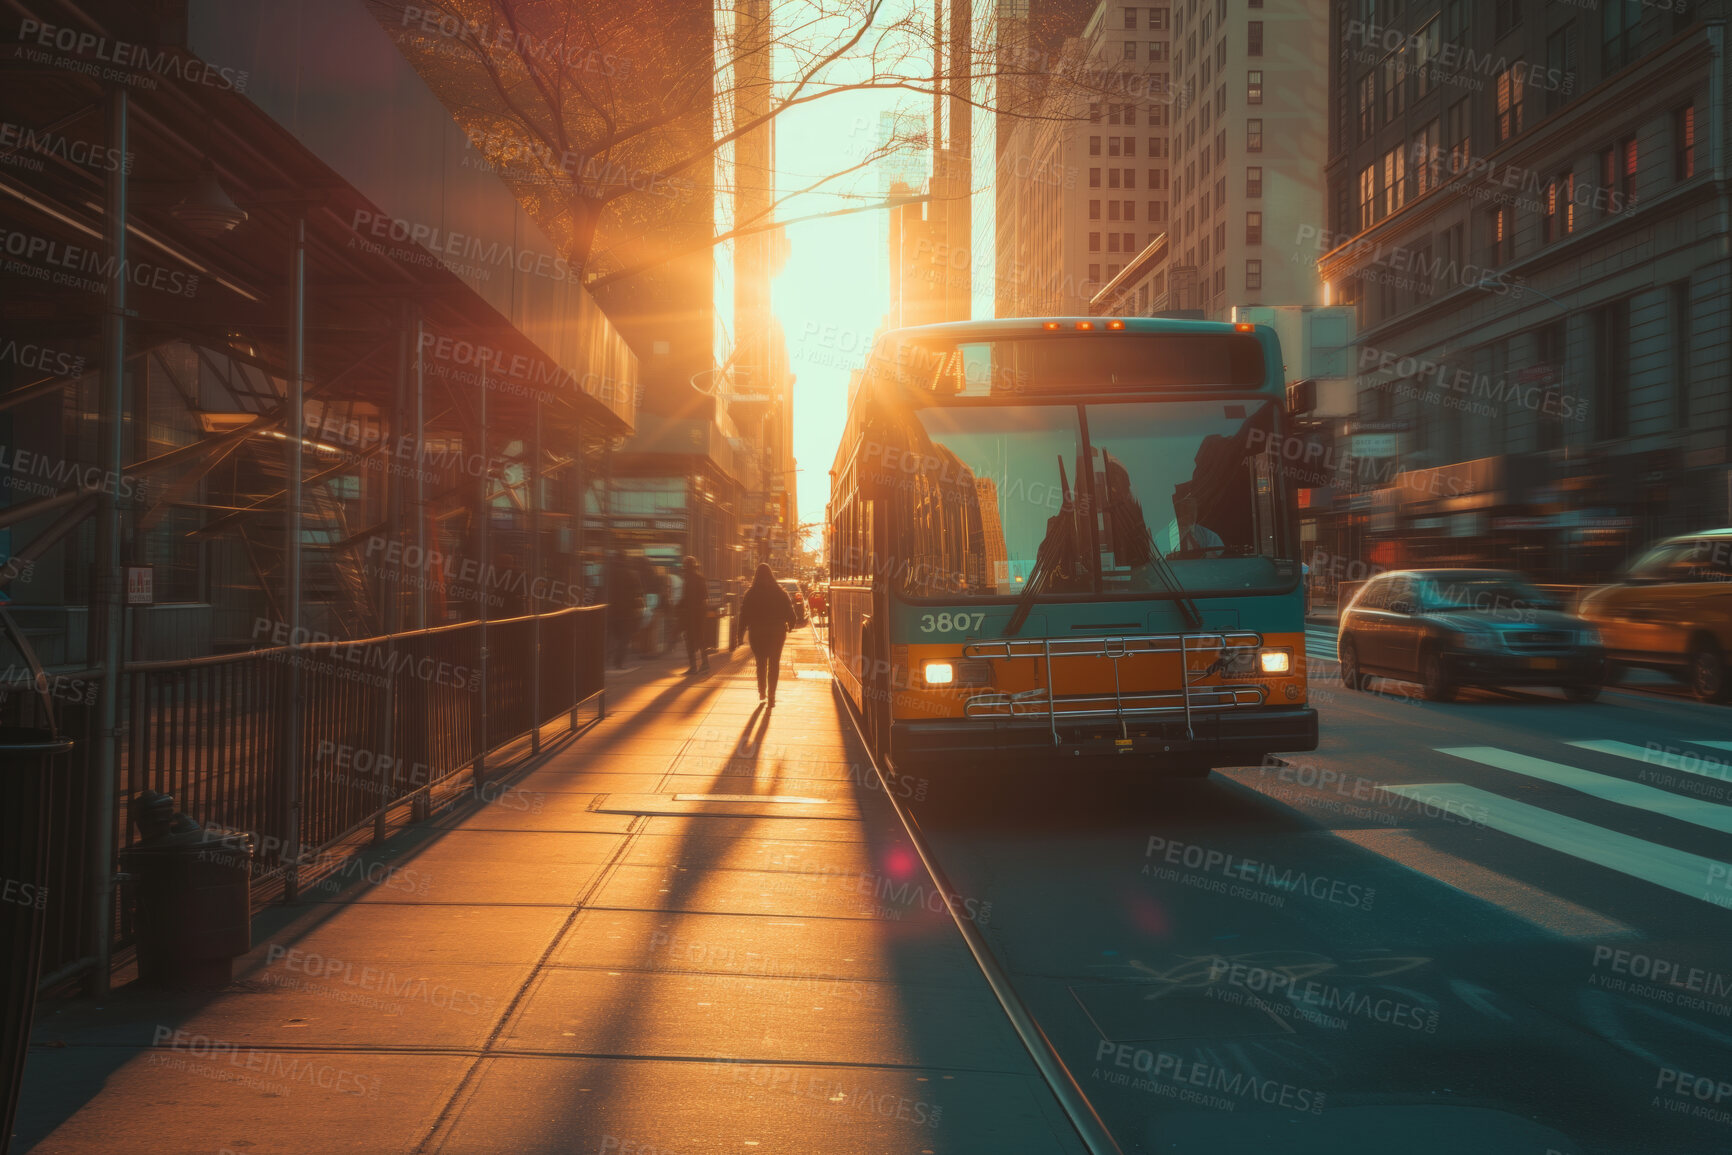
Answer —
(1446, 628)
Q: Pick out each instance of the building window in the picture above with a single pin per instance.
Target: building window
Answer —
(1130, 19)
(1424, 56)
(1394, 180)
(1460, 134)
(1157, 178)
(1094, 146)
(1112, 114)
(1094, 242)
(1130, 114)
(1254, 181)
(1158, 51)
(1157, 210)
(1684, 143)
(1508, 16)
(1627, 172)
(1130, 210)
(1112, 210)
(1254, 228)
(1502, 228)
(1112, 146)
(1254, 87)
(1620, 24)
(1561, 62)
(1367, 105)
(1560, 218)
(1221, 146)
(1130, 146)
(1510, 86)
(1112, 178)
(1422, 271)
(1094, 274)
(1094, 114)
(1157, 19)
(1425, 158)
(1130, 50)
(1130, 242)
(1094, 210)
(1253, 276)
(1130, 178)
(1113, 271)
(1203, 250)
(1611, 326)
(1253, 38)
(1393, 86)
(1254, 135)
(1112, 242)
(1094, 178)
(1457, 16)
(1221, 237)
(1680, 294)
(1367, 196)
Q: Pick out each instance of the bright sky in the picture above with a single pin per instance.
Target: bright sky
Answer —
(834, 291)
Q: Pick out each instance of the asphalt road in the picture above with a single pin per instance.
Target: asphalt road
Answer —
(1494, 925)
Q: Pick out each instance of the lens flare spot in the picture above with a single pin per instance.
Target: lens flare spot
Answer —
(901, 862)
(1149, 916)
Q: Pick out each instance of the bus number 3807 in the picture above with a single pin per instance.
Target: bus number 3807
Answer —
(945, 623)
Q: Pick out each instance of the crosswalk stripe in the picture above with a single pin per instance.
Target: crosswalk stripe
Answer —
(1676, 870)
(1666, 757)
(1619, 790)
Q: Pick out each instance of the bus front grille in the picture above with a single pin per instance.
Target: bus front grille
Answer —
(1200, 655)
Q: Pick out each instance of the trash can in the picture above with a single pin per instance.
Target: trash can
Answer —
(193, 887)
(26, 757)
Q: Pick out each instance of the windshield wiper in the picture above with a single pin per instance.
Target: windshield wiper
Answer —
(1058, 545)
(1164, 571)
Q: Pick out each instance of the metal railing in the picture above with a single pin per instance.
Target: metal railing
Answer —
(1200, 656)
(385, 722)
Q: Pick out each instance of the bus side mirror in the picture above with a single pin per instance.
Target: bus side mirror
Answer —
(1301, 396)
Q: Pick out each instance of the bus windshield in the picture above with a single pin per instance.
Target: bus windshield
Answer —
(1107, 493)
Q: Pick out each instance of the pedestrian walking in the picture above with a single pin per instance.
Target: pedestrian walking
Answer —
(624, 609)
(695, 617)
(766, 615)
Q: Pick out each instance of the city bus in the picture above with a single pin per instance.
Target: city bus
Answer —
(1069, 538)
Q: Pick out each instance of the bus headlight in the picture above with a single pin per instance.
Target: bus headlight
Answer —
(1275, 661)
(1248, 663)
(938, 673)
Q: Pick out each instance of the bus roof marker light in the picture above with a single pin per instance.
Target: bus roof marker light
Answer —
(1051, 325)
(1085, 325)
(1243, 326)
(1115, 324)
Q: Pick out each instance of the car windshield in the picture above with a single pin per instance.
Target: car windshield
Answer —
(1494, 593)
(1107, 494)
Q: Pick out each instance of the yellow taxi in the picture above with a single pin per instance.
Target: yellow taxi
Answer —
(1671, 610)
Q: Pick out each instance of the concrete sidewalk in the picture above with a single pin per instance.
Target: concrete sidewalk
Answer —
(596, 959)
